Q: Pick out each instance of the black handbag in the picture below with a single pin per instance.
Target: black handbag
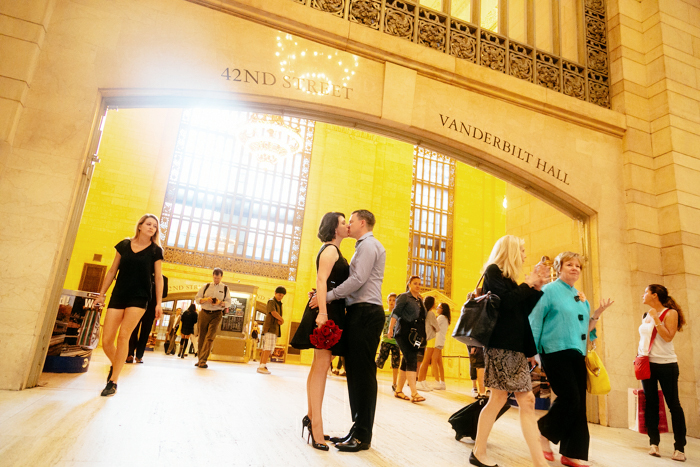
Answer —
(478, 318)
(417, 335)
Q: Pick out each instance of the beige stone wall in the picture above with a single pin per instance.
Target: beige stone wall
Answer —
(157, 49)
(655, 48)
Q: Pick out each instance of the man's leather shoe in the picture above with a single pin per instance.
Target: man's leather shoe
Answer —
(353, 445)
(344, 439)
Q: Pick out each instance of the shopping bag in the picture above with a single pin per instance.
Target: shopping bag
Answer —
(637, 406)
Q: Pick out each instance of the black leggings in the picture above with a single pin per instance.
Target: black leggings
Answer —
(409, 360)
(667, 376)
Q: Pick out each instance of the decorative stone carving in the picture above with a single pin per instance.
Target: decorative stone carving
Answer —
(463, 47)
(598, 60)
(548, 76)
(520, 67)
(366, 12)
(431, 35)
(598, 94)
(398, 23)
(335, 7)
(595, 29)
(596, 5)
(574, 86)
(493, 57)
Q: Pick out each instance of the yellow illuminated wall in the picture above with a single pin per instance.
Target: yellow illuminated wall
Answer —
(350, 170)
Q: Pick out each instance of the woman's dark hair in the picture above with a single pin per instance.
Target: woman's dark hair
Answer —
(192, 308)
(429, 303)
(329, 222)
(446, 312)
(667, 301)
(411, 279)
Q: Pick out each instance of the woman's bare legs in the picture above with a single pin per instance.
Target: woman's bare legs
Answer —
(402, 381)
(438, 367)
(480, 381)
(317, 389)
(528, 423)
(124, 321)
(486, 420)
(411, 378)
(423, 370)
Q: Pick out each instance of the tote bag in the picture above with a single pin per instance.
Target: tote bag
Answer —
(478, 318)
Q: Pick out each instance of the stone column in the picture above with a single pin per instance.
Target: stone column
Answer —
(655, 54)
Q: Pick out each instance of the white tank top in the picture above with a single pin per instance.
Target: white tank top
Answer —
(661, 351)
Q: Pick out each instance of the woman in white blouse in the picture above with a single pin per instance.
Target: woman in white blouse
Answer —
(666, 317)
(444, 318)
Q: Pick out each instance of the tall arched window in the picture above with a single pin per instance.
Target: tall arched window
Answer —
(432, 207)
(224, 207)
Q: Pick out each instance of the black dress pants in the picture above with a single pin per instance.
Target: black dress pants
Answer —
(363, 324)
(139, 338)
(666, 374)
(566, 423)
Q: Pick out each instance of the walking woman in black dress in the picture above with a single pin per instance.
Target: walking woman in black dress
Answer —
(331, 270)
(137, 260)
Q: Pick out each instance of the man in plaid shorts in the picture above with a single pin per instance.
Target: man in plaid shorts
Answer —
(389, 345)
(271, 328)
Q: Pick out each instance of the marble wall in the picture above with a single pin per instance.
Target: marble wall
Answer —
(587, 160)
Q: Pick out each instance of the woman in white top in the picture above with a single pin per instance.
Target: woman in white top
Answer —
(425, 355)
(444, 318)
(666, 317)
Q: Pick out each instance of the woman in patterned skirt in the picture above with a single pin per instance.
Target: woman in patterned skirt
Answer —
(511, 345)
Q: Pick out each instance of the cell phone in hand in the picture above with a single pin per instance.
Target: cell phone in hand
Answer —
(533, 367)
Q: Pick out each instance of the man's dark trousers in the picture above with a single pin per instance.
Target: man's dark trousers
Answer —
(363, 324)
(139, 337)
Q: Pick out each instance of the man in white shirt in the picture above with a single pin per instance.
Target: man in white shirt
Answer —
(215, 300)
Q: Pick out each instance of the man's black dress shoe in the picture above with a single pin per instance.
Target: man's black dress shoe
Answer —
(353, 445)
(348, 437)
(474, 461)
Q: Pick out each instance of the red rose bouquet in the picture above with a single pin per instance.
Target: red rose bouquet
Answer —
(326, 336)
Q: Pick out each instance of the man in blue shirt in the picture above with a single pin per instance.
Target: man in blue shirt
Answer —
(364, 321)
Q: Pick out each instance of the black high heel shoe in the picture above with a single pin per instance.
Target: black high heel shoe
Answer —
(319, 446)
(306, 423)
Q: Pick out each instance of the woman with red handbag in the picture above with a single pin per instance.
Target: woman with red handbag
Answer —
(658, 328)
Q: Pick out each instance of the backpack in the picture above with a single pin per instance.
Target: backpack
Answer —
(207, 286)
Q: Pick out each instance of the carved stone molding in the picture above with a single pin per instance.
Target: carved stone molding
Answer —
(399, 24)
(336, 7)
(432, 35)
(365, 12)
(437, 30)
(598, 93)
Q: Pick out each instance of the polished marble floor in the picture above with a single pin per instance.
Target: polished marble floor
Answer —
(169, 413)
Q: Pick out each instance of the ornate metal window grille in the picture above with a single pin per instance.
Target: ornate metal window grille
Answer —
(225, 209)
(439, 30)
(432, 208)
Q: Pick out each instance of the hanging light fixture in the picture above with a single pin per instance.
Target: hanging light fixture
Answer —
(269, 138)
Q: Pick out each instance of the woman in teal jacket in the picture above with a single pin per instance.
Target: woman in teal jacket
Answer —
(561, 324)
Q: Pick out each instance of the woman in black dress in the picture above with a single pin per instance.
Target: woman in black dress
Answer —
(331, 270)
(137, 260)
(188, 320)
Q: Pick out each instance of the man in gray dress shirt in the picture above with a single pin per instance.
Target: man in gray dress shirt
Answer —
(364, 322)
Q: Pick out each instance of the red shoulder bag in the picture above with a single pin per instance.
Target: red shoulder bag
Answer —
(641, 363)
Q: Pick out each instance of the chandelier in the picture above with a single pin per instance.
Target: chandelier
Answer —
(269, 138)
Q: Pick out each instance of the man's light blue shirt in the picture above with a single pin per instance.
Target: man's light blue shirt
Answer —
(366, 274)
(559, 321)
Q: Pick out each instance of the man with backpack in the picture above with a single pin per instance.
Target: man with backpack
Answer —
(215, 301)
